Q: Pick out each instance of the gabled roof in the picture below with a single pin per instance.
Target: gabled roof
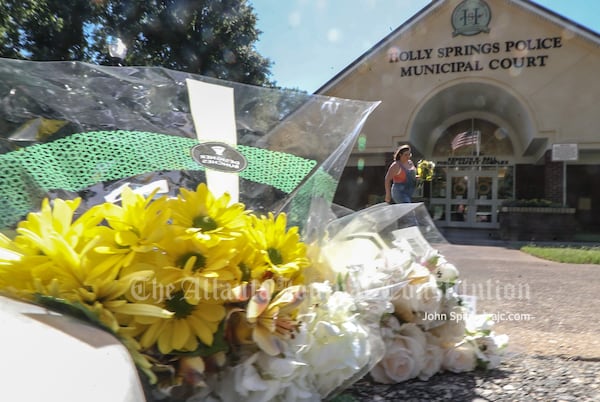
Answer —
(531, 6)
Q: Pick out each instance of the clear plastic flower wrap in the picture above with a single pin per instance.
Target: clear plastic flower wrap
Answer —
(369, 255)
(72, 129)
(192, 219)
(386, 256)
(175, 212)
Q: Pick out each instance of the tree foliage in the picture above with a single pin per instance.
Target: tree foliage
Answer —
(208, 37)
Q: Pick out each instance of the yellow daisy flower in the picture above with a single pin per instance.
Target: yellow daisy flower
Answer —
(206, 218)
(60, 261)
(51, 247)
(284, 253)
(133, 228)
(14, 277)
(189, 324)
(251, 263)
(53, 219)
(204, 272)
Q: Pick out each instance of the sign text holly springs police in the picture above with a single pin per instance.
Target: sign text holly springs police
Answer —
(523, 53)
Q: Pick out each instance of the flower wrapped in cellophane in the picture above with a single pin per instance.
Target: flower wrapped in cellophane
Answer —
(192, 219)
(209, 298)
(177, 212)
(425, 173)
(385, 255)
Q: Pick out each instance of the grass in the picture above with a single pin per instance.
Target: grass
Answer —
(569, 254)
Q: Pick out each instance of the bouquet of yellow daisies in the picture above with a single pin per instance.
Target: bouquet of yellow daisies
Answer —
(425, 170)
(200, 290)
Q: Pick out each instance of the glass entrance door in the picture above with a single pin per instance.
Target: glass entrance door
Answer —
(469, 196)
(472, 197)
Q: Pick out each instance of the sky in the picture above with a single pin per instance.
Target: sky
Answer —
(310, 41)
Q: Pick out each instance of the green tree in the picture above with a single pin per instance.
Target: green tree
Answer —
(46, 29)
(208, 37)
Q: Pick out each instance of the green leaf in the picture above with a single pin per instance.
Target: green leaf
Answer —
(219, 345)
(74, 309)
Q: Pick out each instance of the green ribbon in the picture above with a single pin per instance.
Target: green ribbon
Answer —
(81, 160)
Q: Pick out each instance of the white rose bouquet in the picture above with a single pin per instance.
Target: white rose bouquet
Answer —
(424, 324)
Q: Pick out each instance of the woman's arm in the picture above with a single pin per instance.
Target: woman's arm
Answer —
(389, 176)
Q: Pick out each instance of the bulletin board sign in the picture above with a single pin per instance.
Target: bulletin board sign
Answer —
(565, 152)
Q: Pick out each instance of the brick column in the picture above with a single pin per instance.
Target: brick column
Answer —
(553, 179)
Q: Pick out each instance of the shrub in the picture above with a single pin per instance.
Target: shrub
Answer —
(534, 202)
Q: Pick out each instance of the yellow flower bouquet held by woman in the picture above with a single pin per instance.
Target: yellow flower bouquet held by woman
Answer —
(425, 170)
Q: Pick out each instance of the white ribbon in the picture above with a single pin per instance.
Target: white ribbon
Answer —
(213, 113)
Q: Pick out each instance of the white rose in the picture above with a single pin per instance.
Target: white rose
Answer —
(404, 356)
(390, 328)
(330, 368)
(413, 331)
(434, 355)
(449, 333)
(242, 381)
(427, 297)
(452, 331)
(402, 307)
(263, 378)
(292, 375)
(460, 358)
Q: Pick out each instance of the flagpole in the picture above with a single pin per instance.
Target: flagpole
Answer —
(476, 133)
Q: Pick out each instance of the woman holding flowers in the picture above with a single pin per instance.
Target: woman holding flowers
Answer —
(401, 177)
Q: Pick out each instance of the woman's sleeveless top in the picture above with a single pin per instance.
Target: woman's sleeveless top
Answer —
(405, 176)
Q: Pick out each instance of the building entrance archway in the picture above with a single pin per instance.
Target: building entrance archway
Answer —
(473, 175)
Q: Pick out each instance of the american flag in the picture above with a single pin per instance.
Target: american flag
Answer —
(466, 138)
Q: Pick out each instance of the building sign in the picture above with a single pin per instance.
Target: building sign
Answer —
(471, 17)
(564, 152)
(440, 60)
(471, 161)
